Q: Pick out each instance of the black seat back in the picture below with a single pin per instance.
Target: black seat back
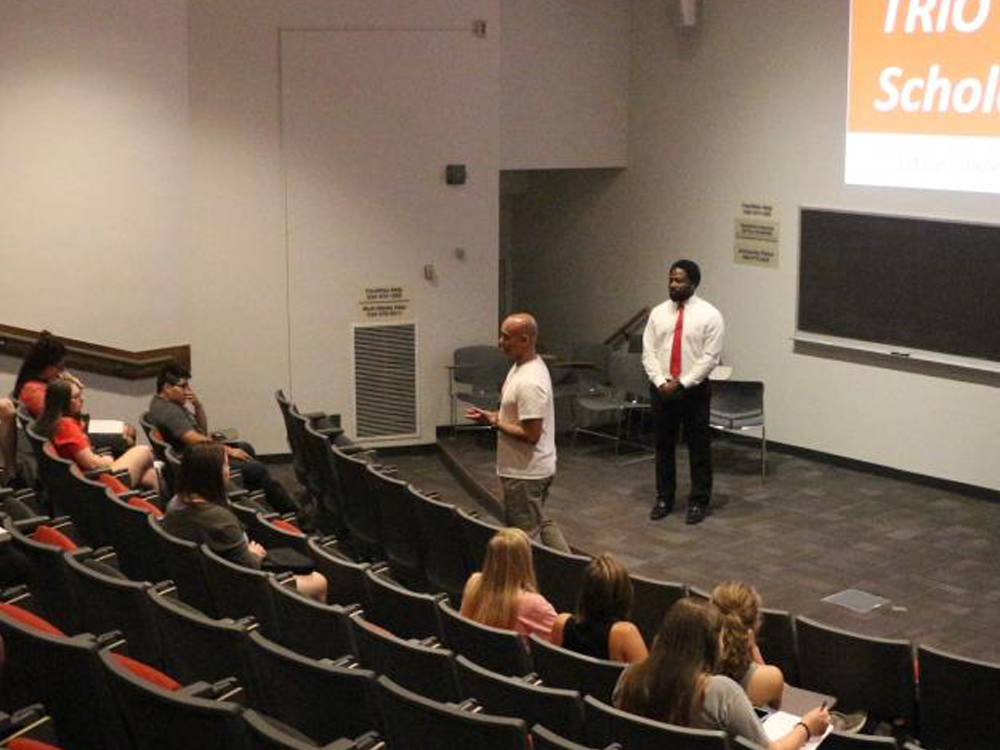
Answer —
(651, 600)
(427, 670)
(560, 708)
(499, 650)
(186, 567)
(405, 613)
(415, 722)
(874, 674)
(958, 701)
(560, 667)
(320, 631)
(160, 719)
(445, 565)
(320, 699)
(606, 724)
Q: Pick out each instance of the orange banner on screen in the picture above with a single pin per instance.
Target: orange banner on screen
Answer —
(927, 67)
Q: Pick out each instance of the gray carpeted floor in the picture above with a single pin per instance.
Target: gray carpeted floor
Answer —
(809, 530)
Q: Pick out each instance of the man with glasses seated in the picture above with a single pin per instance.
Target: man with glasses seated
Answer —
(180, 417)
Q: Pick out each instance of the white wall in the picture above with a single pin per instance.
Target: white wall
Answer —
(241, 334)
(750, 106)
(94, 178)
(563, 84)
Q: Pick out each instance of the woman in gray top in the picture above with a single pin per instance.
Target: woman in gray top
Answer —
(200, 513)
(676, 684)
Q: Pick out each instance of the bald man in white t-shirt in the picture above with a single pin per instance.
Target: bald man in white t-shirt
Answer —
(526, 441)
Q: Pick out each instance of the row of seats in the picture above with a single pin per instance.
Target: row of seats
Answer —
(359, 582)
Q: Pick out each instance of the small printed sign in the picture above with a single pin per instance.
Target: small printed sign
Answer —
(757, 233)
(380, 302)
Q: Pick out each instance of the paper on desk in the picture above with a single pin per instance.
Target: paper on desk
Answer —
(781, 723)
(106, 426)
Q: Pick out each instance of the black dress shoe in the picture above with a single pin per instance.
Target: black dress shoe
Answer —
(660, 510)
(696, 514)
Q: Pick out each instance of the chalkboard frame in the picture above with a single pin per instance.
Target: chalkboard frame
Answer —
(903, 286)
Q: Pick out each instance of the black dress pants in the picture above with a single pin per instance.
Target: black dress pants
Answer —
(257, 477)
(690, 407)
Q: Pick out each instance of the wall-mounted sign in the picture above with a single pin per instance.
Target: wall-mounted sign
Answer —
(757, 234)
(380, 302)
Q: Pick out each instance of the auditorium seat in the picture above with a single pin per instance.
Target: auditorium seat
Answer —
(28, 728)
(416, 722)
(320, 631)
(405, 613)
(42, 541)
(499, 650)
(321, 698)
(606, 724)
(186, 567)
(108, 601)
(324, 481)
(560, 575)
(240, 591)
(864, 673)
(560, 667)
(559, 708)
(652, 598)
(196, 647)
(445, 565)
(777, 643)
(162, 715)
(400, 534)
(265, 734)
(476, 534)
(543, 738)
(427, 670)
(62, 671)
(841, 741)
(959, 701)
(361, 514)
(295, 443)
(135, 542)
(345, 578)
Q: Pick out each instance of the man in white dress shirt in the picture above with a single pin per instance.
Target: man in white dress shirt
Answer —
(526, 438)
(681, 345)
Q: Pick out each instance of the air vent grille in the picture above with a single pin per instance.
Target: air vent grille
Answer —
(385, 380)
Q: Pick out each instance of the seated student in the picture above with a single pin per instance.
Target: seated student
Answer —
(60, 424)
(180, 417)
(200, 513)
(45, 362)
(739, 609)
(505, 594)
(675, 683)
(600, 626)
(42, 362)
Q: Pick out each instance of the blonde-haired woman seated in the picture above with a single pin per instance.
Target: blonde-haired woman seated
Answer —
(740, 618)
(505, 594)
(600, 626)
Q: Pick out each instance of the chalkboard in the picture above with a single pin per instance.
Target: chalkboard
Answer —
(905, 282)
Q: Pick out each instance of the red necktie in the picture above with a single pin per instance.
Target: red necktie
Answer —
(675, 350)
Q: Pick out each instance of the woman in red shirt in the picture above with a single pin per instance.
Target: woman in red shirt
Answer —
(61, 425)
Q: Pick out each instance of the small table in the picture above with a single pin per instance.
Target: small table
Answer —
(799, 701)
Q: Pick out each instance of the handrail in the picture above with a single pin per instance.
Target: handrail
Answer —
(623, 331)
(90, 357)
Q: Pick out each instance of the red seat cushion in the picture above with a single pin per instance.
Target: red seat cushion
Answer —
(30, 619)
(26, 743)
(113, 483)
(281, 523)
(143, 504)
(47, 535)
(147, 673)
